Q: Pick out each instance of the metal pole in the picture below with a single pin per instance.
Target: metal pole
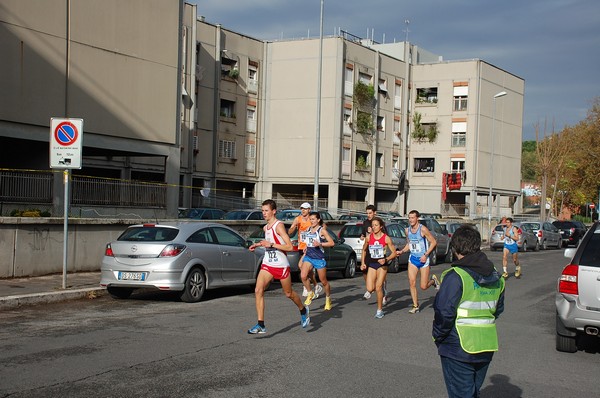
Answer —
(490, 200)
(500, 94)
(65, 226)
(318, 141)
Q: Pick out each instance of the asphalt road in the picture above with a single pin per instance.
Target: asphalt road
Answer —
(154, 346)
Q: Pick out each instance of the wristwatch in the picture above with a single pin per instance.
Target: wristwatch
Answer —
(271, 245)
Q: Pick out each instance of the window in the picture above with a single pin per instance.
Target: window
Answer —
(362, 160)
(347, 121)
(424, 165)
(457, 164)
(397, 96)
(427, 95)
(226, 237)
(364, 78)
(379, 160)
(251, 119)
(383, 87)
(380, 123)
(461, 94)
(227, 149)
(349, 81)
(345, 161)
(229, 66)
(396, 126)
(252, 78)
(459, 134)
(227, 108)
(250, 157)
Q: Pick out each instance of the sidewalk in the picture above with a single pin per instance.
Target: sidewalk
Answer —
(17, 292)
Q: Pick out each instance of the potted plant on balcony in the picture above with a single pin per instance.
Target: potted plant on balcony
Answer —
(234, 73)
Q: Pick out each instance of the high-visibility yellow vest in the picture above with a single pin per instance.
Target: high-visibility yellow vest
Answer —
(475, 320)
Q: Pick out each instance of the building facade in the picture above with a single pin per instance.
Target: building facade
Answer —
(221, 118)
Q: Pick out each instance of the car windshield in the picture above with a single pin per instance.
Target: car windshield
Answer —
(352, 231)
(236, 215)
(563, 224)
(149, 234)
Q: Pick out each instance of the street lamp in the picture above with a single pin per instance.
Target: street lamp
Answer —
(500, 94)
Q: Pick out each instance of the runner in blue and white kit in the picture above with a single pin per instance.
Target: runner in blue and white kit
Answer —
(420, 243)
(511, 237)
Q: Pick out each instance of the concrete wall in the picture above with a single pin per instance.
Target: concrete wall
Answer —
(34, 247)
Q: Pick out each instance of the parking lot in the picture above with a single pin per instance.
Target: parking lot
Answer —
(154, 345)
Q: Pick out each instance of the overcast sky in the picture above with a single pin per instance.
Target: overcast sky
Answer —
(554, 45)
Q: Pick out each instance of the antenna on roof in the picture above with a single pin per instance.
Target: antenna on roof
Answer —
(406, 22)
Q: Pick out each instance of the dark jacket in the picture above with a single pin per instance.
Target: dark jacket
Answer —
(446, 302)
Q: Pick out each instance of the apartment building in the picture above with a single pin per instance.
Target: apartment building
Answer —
(168, 97)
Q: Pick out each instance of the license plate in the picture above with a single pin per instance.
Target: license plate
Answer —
(132, 276)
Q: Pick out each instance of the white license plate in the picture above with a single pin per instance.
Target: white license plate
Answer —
(132, 276)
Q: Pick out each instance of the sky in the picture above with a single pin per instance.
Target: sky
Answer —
(554, 45)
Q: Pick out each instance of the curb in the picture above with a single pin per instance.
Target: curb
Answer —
(12, 302)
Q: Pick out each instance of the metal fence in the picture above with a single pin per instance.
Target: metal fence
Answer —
(121, 193)
(26, 186)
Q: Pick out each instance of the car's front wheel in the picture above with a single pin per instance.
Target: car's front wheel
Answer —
(119, 292)
(350, 269)
(195, 286)
(433, 258)
(544, 245)
(524, 246)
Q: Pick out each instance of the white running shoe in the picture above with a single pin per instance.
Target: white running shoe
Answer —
(304, 291)
(318, 290)
(367, 295)
(385, 300)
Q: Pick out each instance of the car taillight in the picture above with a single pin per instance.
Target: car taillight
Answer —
(539, 233)
(520, 231)
(172, 250)
(108, 251)
(568, 280)
(572, 230)
(295, 244)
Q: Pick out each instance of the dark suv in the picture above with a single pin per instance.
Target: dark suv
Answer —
(577, 299)
(571, 232)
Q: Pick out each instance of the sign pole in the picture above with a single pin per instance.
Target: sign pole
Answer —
(66, 145)
(66, 175)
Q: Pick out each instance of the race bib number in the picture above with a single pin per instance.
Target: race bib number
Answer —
(414, 246)
(508, 241)
(311, 238)
(303, 236)
(271, 256)
(376, 251)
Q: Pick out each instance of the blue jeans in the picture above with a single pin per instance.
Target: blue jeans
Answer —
(463, 379)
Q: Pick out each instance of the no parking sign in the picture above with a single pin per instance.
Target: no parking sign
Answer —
(65, 143)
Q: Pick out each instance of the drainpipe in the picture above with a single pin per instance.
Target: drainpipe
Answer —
(405, 116)
(473, 200)
(216, 110)
(372, 184)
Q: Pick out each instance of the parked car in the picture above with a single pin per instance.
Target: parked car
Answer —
(244, 214)
(340, 257)
(187, 257)
(548, 235)
(527, 241)
(451, 227)
(577, 299)
(435, 216)
(290, 214)
(571, 231)
(352, 217)
(440, 235)
(202, 213)
(352, 234)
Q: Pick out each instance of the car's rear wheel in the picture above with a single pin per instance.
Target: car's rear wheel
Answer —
(119, 292)
(433, 258)
(544, 245)
(566, 343)
(537, 246)
(524, 246)
(350, 269)
(195, 286)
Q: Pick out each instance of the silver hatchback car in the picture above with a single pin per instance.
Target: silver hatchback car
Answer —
(577, 298)
(528, 240)
(185, 257)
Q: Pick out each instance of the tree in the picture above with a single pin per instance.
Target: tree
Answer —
(551, 155)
